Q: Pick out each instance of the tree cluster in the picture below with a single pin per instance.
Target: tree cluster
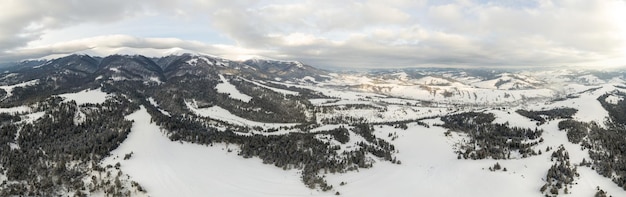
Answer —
(546, 115)
(576, 130)
(55, 152)
(561, 174)
(491, 140)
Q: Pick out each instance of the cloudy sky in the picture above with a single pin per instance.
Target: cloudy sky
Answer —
(325, 33)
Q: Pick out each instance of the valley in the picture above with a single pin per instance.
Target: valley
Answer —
(195, 125)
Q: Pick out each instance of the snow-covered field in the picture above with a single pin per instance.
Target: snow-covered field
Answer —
(15, 110)
(87, 96)
(218, 113)
(9, 88)
(282, 91)
(231, 90)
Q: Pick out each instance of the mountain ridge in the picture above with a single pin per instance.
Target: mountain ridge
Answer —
(170, 63)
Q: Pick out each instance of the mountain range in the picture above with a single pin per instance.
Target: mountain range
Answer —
(198, 125)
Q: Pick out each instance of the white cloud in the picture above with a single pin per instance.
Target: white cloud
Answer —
(123, 44)
(368, 33)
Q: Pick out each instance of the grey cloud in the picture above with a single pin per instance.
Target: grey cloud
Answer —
(106, 45)
(470, 33)
(373, 33)
(26, 20)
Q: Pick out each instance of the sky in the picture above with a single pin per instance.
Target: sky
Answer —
(325, 33)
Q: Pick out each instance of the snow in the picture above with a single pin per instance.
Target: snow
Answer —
(196, 59)
(509, 81)
(460, 94)
(402, 76)
(15, 110)
(429, 165)
(14, 146)
(3, 177)
(42, 65)
(192, 61)
(308, 78)
(9, 88)
(155, 104)
(33, 116)
(155, 79)
(590, 79)
(589, 179)
(325, 128)
(79, 117)
(589, 108)
(299, 64)
(166, 168)
(347, 102)
(322, 101)
(429, 88)
(333, 92)
(87, 96)
(27, 118)
(231, 90)
(282, 91)
(513, 118)
(218, 113)
(429, 80)
(117, 78)
(430, 168)
(389, 113)
(613, 99)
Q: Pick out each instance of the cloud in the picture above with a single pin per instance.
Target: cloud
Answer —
(368, 33)
(26, 20)
(124, 44)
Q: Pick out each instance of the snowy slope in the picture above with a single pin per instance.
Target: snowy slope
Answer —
(231, 90)
(86, 96)
(166, 168)
(282, 91)
(218, 113)
(429, 168)
(9, 88)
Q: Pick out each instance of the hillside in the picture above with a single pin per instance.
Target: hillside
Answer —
(195, 125)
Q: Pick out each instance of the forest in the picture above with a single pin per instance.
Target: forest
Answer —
(547, 115)
(491, 140)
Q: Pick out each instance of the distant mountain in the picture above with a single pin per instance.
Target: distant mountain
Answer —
(286, 69)
(83, 69)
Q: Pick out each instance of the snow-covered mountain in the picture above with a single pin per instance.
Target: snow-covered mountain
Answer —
(195, 125)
